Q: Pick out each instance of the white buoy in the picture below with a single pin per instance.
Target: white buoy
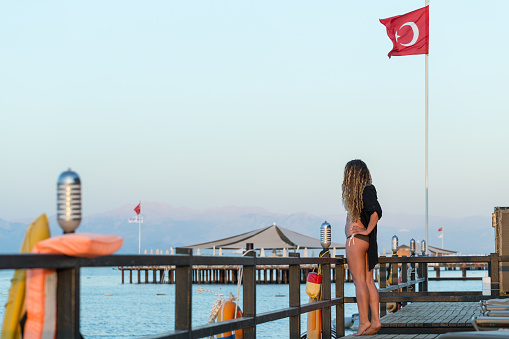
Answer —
(305, 252)
(262, 252)
(220, 251)
(151, 251)
(213, 250)
(167, 252)
(171, 251)
(157, 251)
(198, 251)
(145, 252)
(334, 252)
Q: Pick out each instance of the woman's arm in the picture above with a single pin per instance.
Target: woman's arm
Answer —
(373, 219)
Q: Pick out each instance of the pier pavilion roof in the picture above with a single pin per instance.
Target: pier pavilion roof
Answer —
(271, 237)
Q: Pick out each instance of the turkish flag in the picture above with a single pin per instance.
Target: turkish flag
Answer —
(409, 32)
(137, 209)
(440, 229)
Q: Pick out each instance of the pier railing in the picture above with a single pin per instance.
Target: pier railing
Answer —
(68, 290)
(401, 289)
(408, 283)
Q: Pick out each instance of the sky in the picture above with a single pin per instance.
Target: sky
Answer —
(250, 103)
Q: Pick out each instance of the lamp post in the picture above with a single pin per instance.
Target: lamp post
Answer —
(423, 247)
(69, 201)
(412, 247)
(325, 235)
(394, 245)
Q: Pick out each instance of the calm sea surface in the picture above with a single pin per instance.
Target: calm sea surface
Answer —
(110, 309)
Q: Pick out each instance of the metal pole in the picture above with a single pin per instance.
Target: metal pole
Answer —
(139, 232)
(427, 4)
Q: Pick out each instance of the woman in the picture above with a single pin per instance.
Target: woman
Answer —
(364, 211)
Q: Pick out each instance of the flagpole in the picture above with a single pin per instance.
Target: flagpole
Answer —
(427, 242)
(139, 233)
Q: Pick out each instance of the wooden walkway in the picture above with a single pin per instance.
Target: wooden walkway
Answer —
(221, 274)
(430, 318)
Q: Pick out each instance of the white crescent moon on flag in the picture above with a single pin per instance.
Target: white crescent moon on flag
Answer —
(415, 31)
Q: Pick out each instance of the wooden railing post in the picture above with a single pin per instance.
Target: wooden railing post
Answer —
(68, 303)
(494, 272)
(249, 295)
(425, 276)
(340, 293)
(394, 273)
(294, 287)
(404, 276)
(326, 295)
(383, 284)
(420, 272)
(412, 274)
(183, 292)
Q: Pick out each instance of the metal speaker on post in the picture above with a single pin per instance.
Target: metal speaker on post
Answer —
(325, 235)
(394, 244)
(69, 201)
(412, 247)
(500, 220)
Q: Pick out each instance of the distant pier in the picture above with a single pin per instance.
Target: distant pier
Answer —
(265, 274)
(213, 274)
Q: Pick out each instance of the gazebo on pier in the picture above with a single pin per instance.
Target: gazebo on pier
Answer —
(272, 237)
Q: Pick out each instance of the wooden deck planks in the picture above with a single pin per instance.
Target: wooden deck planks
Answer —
(431, 318)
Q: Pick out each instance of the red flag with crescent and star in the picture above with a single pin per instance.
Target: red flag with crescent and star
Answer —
(137, 209)
(409, 32)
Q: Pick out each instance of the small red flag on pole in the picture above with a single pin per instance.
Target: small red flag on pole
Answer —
(137, 209)
(409, 32)
(440, 229)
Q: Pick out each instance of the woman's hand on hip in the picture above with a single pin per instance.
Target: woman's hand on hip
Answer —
(358, 229)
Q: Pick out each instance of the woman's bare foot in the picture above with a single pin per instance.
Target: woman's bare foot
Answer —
(375, 327)
(362, 328)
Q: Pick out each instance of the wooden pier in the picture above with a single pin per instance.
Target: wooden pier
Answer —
(427, 314)
(427, 320)
(275, 274)
(431, 318)
(221, 274)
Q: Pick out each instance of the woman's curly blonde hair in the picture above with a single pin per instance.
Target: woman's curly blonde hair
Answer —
(355, 179)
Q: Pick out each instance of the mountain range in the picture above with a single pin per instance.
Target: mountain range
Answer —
(167, 226)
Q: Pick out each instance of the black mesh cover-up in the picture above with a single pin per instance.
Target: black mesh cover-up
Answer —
(371, 205)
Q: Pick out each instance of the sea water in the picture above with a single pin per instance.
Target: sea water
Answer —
(110, 309)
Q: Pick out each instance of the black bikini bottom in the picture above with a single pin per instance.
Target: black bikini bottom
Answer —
(362, 237)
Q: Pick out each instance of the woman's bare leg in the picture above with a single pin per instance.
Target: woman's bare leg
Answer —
(356, 258)
(374, 303)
